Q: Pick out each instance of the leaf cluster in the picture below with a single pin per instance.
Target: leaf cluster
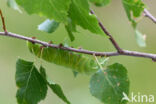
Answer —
(106, 84)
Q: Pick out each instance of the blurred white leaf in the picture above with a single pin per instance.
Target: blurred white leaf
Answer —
(140, 38)
(48, 26)
(12, 4)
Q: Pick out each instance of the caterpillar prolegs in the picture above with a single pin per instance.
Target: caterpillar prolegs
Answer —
(77, 62)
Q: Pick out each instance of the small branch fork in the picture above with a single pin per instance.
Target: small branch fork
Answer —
(102, 54)
(108, 34)
(149, 15)
(3, 21)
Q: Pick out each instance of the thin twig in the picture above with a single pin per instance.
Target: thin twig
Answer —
(106, 54)
(3, 21)
(149, 15)
(115, 44)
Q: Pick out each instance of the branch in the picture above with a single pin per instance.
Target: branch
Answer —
(115, 44)
(3, 21)
(149, 15)
(106, 54)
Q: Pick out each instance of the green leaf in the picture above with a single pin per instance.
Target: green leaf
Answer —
(134, 9)
(100, 2)
(80, 14)
(58, 91)
(32, 87)
(75, 73)
(43, 72)
(76, 62)
(141, 39)
(109, 85)
(48, 26)
(54, 87)
(71, 27)
(70, 33)
(103, 61)
(12, 4)
(52, 9)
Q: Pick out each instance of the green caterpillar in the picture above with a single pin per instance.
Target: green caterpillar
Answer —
(77, 62)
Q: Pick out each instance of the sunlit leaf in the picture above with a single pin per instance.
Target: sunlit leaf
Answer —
(52, 9)
(80, 14)
(134, 9)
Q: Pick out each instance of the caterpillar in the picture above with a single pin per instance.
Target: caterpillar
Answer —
(75, 61)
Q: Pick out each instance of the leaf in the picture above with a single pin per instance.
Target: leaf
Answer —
(70, 27)
(108, 85)
(48, 26)
(103, 61)
(32, 87)
(76, 62)
(134, 9)
(141, 39)
(12, 4)
(70, 33)
(52, 9)
(80, 14)
(75, 73)
(43, 72)
(100, 2)
(58, 91)
(54, 87)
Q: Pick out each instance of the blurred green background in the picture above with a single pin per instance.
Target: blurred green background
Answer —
(142, 72)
